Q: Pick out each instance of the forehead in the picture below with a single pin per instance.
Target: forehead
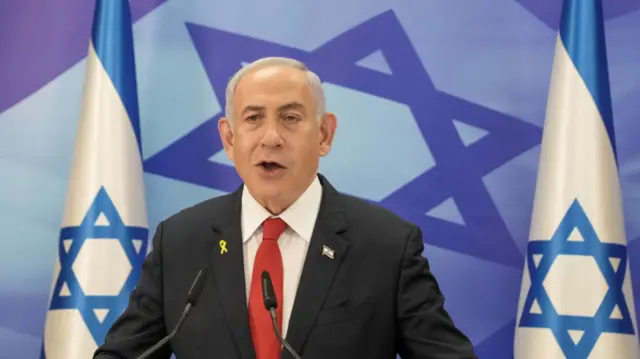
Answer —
(272, 86)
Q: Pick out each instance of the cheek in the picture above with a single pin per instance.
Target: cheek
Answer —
(244, 146)
(305, 151)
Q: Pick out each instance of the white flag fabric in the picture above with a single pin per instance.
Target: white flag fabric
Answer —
(576, 298)
(104, 235)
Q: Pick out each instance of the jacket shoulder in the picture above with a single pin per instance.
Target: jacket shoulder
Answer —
(375, 218)
(200, 214)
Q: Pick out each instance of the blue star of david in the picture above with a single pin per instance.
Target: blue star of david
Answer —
(601, 322)
(76, 298)
(459, 168)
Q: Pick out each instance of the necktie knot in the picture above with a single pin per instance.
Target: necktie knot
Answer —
(272, 228)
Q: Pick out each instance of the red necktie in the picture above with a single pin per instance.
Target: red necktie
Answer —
(268, 257)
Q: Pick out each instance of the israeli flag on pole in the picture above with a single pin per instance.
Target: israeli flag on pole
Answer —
(576, 299)
(104, 234)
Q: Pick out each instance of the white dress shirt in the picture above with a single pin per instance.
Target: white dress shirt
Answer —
(294, 242)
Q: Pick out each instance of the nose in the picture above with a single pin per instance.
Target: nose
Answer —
(272, 137)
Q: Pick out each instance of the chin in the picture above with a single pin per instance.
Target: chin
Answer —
(266, 188)
(272, 190)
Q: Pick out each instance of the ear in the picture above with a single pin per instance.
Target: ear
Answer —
(328, 126)
(227, 136)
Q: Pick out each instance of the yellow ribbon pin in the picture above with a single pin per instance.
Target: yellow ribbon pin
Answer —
(223, 246)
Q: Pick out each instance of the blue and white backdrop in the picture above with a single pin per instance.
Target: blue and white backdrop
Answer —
(440, 106)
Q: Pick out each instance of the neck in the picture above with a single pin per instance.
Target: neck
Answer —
(275, 207)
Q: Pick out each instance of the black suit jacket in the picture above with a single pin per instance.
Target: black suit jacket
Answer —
(374, 299)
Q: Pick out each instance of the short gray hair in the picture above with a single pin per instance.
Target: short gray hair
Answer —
(314, 82)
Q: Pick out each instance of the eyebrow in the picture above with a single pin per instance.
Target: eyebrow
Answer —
(251, 108)
(292, 106)
(289, 106)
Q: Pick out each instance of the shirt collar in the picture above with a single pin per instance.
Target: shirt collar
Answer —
(300, 216)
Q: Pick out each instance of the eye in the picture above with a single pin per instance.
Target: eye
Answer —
(252, 118)
(291, 118)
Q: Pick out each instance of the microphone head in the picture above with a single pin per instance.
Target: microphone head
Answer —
(197, 286)
(268, 294)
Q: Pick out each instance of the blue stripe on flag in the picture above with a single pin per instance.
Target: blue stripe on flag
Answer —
(582, 23)
(113, 42)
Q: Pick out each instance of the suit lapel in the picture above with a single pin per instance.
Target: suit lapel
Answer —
(227, 261)
(319, 268)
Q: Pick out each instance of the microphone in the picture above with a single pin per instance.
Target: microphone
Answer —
(192, 298)
(271, 303)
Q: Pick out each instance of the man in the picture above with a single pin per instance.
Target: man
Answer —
(349, 277)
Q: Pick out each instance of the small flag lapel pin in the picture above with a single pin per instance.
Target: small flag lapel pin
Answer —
(326, 251)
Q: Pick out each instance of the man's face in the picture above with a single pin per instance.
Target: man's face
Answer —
(275, 140)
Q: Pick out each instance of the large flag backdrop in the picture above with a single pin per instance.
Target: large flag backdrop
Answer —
(455, 90)
(104, 235)
(576, 299)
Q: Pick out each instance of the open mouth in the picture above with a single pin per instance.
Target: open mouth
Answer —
(271, 166)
